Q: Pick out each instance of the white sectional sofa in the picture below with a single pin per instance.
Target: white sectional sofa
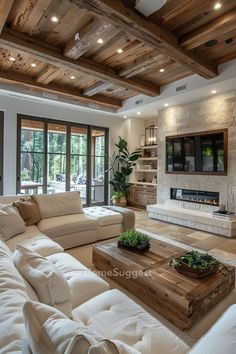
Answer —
(69, 230)
(109, 313)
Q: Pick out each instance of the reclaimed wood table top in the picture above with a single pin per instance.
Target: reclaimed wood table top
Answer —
(181, 299)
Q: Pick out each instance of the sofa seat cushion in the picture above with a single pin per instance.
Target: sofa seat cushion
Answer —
(221, 338)
(83, 283)
(33, 239)
(112, 314)
(67, 224)
(104, 216)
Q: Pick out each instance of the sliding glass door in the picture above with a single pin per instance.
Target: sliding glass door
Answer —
(79, 161)
(98, 166)
(1, 150)
(55, 156)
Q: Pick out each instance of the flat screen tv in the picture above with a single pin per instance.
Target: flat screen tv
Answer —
(198, 153)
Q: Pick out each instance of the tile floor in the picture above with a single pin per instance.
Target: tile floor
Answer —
(219, 245)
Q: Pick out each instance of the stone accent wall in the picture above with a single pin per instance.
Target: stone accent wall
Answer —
(216, 112)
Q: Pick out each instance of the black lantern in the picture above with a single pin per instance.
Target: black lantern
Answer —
(151, 135)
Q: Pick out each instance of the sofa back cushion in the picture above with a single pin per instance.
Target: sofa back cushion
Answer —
(46, 279)
(28, 210)
(9, 199)
(58, 204)
(11, 223)
(46, 327)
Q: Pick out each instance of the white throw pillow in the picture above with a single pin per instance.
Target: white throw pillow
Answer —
(112, 347)
(58, 204)
(50, 332)
(48, 282)
(11, 223)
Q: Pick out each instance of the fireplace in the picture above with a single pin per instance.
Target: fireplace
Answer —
(192, 196)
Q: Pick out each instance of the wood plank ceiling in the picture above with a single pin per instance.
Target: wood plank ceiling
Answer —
(101, 52)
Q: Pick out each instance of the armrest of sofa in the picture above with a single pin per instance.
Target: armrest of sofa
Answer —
(221, 338)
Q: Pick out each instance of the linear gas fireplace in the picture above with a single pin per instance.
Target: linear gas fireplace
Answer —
(200, 197)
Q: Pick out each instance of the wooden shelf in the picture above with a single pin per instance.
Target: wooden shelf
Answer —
(144, 183)
(152, 170)
(148, 158)
(149, 147)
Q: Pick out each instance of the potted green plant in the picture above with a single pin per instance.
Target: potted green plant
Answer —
(195, 264)
(121, 165)
(119, 198)
(134, 241)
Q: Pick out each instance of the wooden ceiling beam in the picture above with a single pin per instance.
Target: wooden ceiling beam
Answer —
(141, 64)
(5, 8)
(138, 66)
(213, 29)
(96, 88)
(85, 38)
(98, 101)
(120, 15)
(10, 40)
(48, 74)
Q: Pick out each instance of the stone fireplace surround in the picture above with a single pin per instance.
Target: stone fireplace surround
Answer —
(217, 112)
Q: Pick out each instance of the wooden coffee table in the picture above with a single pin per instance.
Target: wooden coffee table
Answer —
(180, 299)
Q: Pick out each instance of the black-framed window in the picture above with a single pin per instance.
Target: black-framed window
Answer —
(55, 156)
(1, 150)
(198, 153)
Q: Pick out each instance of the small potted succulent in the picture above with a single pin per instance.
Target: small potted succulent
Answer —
(195, 264)
(134, 241)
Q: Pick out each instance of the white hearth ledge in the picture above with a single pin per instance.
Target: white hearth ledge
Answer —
(194, 219)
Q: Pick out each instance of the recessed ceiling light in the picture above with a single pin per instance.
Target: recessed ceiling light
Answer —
(33, 65)
(119, 51)
(213, 92)
(138, 113)
(166, 105)
(12, 59)
(125, 117)
(72, 77)
(162, 70)
(100, 41)
(54, 19)
(217, 6)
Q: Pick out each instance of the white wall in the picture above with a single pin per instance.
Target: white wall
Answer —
(14, 105)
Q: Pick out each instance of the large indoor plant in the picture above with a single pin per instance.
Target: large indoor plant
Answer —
(121, 166)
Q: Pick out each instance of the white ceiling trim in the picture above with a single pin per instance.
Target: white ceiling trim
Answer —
(196, 88)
